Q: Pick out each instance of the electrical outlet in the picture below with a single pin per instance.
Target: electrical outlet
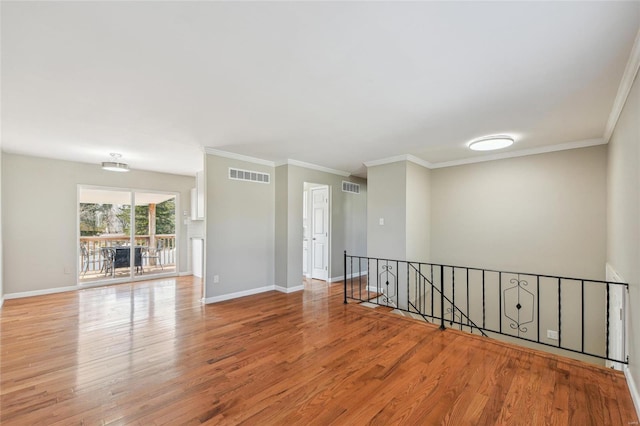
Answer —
(381, 221)
(216, 279)
(552, 334)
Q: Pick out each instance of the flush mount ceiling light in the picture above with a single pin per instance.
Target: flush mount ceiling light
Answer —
(489, 143)
(114, 165)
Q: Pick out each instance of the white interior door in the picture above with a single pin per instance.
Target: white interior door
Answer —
(305, 235)
(320, 233)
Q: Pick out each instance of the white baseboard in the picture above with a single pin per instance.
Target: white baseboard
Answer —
(41, 292)
(288, 289)
(633, 389)
(341, 277)
(184, 274)
(1, 301)
(238, 294)
(252, 292)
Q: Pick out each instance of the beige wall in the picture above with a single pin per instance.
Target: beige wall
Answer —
(281, 225)
(623, 214)
(387, 200)
(40, 231)
(254, 231)
(418, 213)
(239, 229)
(542, 214)
(1, 241)
(348, 222)
(399, 193)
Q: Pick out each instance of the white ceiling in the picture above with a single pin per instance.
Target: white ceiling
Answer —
(334, 84)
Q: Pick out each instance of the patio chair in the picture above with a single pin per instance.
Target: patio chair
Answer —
(153, 253)
(108, 261)
(84, 259)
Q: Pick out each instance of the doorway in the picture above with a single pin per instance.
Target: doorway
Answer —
(125, 234)
(316, 231)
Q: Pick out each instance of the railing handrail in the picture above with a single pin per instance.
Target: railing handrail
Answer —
(122, 237)
(522, 318)
(433, 287)
(92, 258)
(474, 268)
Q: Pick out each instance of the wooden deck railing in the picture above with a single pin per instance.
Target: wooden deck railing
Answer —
(92, 260)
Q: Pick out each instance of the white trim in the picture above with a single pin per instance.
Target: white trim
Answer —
(522, 153)
(313, 167)
(397, 158)
(611, 272)
(238, 294)
(251, 292)
(511, 154)
(633, 389)
(1, 301)
(384, 161)
(373, 288)
(419, 161)
(41, 292)
(289, 289)
(341, 277)
(184, 274)
(234, 156)
(630, 71)
(289, 161)
(612, 275)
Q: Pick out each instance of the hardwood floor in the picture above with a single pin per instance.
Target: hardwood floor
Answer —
(149, 353)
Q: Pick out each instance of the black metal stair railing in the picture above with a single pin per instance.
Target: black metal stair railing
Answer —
(579, 315)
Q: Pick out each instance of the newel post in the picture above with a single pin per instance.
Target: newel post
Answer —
(345, 277)
(441, 297)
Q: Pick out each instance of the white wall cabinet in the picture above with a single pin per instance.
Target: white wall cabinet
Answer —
(197, 198)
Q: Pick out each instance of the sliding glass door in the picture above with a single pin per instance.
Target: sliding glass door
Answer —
(155, 230)
(125, 234)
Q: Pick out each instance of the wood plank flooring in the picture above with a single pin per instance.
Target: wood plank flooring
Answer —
(150, 353)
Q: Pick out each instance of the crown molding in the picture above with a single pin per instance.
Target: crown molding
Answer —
(521, 153)
(397, 158)
(630, 72)
(419, 161)
(412, 158)
(234, 156)
(314, 167)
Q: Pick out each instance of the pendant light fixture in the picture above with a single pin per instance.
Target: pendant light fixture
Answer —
(115, 165)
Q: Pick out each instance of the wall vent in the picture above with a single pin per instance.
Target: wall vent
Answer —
(354, 188)
(249, 175)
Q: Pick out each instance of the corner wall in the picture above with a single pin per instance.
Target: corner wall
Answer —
(399, 211)
(348, 221)
(239, 230)
(418, 213)
(387, 211)
(1, 240)
(623, 220)
(40, 213)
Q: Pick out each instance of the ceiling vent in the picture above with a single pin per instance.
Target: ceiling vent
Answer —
(354, 188)
(249, 175)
